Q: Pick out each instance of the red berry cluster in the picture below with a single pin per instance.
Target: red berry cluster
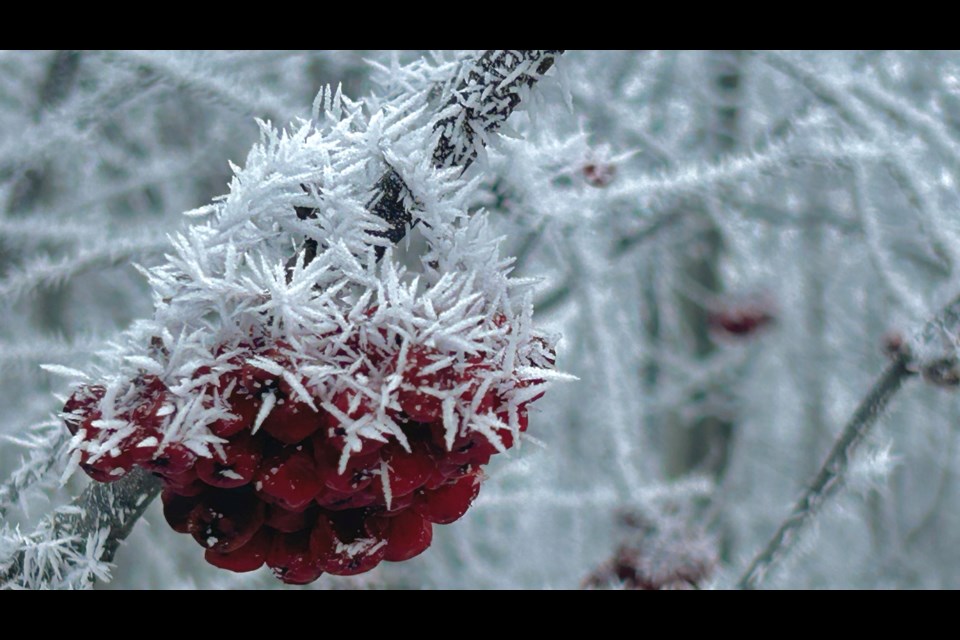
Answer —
(292, 485)
(630, 570)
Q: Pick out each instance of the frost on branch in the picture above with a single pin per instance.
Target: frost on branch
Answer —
(321, 413)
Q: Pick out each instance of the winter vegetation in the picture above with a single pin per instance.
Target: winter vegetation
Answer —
(479, 319)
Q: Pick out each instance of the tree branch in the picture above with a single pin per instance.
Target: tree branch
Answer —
(114, 508)
(830, 477)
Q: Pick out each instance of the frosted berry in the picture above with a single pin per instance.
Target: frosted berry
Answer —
(407, 472)
(408, 535)
(287, 521)
(232, 465)
(420, 376)
(173, 460)
(347, 546)
(291, 559)
(176, 510)
(225, 520)
(292, 422)
(249, 557)
(243, 412)
(448, 502)
(82, 405)
(359, 472)
(289, 478)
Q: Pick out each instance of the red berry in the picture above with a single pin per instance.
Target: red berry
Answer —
(599, 175)
(232, 465)
(415, 401)
(176, 510)
(184, 486)
(107, 468)
(292, 421)
(172, 460)
(358, 473)
(344, 548)
(335, 433)
(254, 380)
(84, 402)
(227, 519)
(289, 478)
(243, 409)
(740, 322)
(407, 472)
(398, 504)
(249, 557)
(287, 521)
(449, 502)
(338, 501)
(292, 560)
(408, 535)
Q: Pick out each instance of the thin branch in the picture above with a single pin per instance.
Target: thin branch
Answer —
(830, 477)
(482, 102)
(113, 507)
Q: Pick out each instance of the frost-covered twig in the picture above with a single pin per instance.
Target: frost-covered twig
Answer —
(830, 477)
(486, 94)
(42, 272)
(188, 73)
(76, 543)
(852, 113)
(46, 444)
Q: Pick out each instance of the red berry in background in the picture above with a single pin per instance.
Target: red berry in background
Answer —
(225, 520)
(739, 320)
(289, 478)
(449, 502)
(408, 535)
(232, 465)
(249, 557)
(292, 560)
(599, 174)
